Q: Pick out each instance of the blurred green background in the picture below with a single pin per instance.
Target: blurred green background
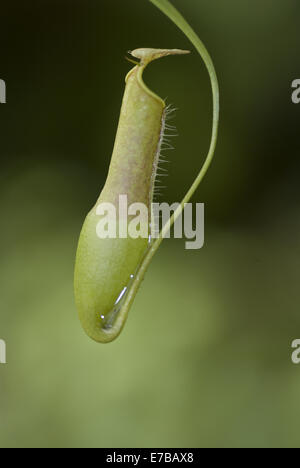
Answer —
(204, 360)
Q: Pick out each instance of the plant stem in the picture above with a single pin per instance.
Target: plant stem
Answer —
(168, 9)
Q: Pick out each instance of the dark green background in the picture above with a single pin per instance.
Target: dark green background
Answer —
(204, 360)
